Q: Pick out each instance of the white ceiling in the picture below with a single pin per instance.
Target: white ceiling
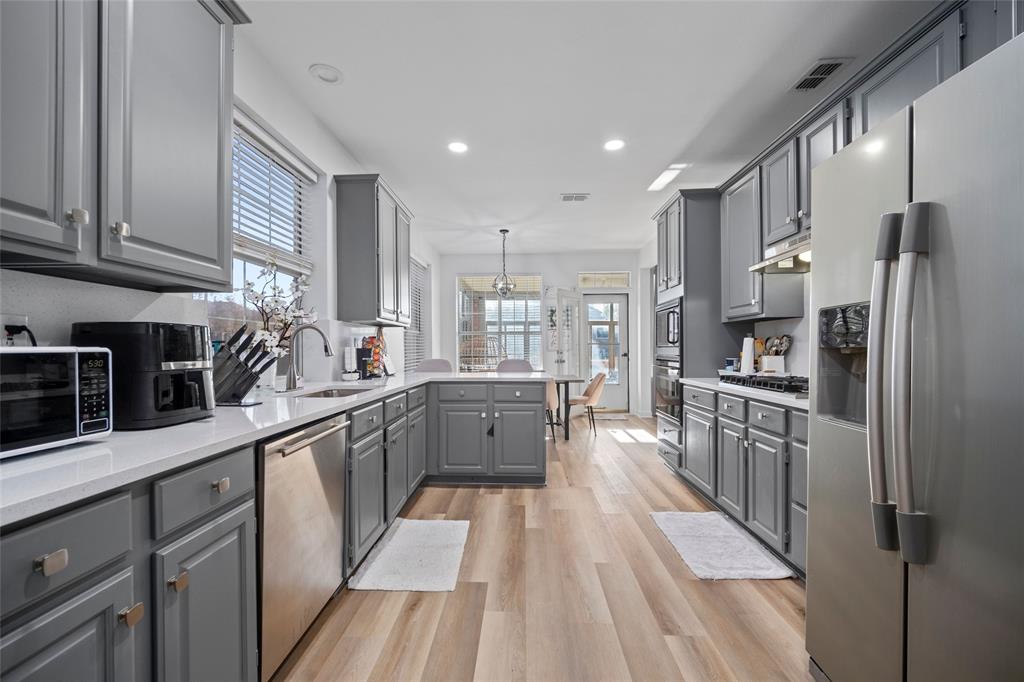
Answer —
(535, 88)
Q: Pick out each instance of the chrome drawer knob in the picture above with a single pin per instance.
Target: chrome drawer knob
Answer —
(52, 563)
(518, 394)
(222, 486)
(179, 583)
(132, 615)
(762, 415)
(77, 215)
(121, 229)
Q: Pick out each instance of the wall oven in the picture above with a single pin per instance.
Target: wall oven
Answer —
(667, 394)
(52, 396)
(666, 330)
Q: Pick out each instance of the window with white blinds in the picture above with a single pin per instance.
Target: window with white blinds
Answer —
(417, 334)
(492, 329)
(269, 205)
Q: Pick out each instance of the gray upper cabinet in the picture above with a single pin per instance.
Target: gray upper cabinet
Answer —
(927, 62)
(670, 250)
(166, 156)
(988, 24)
(462, 438)
(205, 601)
(741, 248)
(732, 458)
(519, 439)
(367, 520)
(699, 449)
(417, 448)
(815, 143)
(48, 195)
(396, 450)
(778, 175)
(373, 252)
(83, 638)
(766, 487)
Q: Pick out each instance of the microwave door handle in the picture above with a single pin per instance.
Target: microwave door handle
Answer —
(911, 524)
(883, 512)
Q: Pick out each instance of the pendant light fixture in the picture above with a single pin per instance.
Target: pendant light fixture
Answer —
(503, 284)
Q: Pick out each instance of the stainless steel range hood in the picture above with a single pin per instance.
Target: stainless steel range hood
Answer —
(786, 257)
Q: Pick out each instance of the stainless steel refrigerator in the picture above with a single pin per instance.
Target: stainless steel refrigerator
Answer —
(915, 561)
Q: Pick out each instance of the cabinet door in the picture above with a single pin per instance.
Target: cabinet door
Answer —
(81, 638)
(44, 71)
(778, 173)
(205, 601)
(927, 62)
(817, 142)
(166, 159)
(699, 449)
(402, 265)
(987, 25)
(396, 468)
(674, 245)
(417, 449)
(663, 267)
(732, 459)
(519, 447)
(766, 487)
(387, 256)
(462, 438)
(741, 248)
(366, 496)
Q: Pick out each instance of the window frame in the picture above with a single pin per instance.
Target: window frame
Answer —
(527, 333)
(423, 313)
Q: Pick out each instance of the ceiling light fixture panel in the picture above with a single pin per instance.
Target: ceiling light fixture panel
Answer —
(614, 145)
(458, 147)
(326, 74)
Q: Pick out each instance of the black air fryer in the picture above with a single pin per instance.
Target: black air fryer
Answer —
(163, 373)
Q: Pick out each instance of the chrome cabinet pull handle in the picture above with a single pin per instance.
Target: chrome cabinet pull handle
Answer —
(497, 415)
(762, 415)
(222, 486)
(462, 393)
(802, 213)
(518, 394)
(483, 415)
(789, 219)
(52, 563)
(131, 615)
(291, 449)
(372, 418)
(121, 229)
(77, 215)
(179, 583)
(727, 406)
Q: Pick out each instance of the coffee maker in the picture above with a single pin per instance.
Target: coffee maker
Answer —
(162, 372)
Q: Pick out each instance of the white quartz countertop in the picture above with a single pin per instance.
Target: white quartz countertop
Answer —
(774, 397)
(41, 482)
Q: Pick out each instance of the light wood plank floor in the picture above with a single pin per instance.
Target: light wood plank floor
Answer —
(568, 582)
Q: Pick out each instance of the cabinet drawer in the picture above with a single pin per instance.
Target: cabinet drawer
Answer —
(670, 455)
(191, 494)
(798, 474)
(799, 425)
(698, 396)
(732, 406)
(670, 431)
(74, 544)
(366, 420)
(417, 397)
(450, 392)
(519, 393)
(395, 407)
(768, 418)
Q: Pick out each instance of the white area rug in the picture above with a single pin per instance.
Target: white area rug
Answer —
(414, 556)
(715, 548)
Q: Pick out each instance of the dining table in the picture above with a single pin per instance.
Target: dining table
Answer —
(562, 382)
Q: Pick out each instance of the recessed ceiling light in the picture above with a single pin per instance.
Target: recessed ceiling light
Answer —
(662, 180)
(679, 166)
(614, 145)
(458, 147)
(325, 73)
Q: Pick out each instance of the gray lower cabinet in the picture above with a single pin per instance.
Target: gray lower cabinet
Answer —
(766, 487)
(731, 492)
(519, 439)
(396, 468)
(698, 461)
(205, 601)
(81, 638)
(417, 448)
(778, 192)
(367, 520)
(462, 436)
(741, 248)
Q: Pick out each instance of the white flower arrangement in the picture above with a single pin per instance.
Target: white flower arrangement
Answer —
(280, 312)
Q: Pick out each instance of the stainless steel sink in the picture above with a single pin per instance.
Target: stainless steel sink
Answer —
(334, 393)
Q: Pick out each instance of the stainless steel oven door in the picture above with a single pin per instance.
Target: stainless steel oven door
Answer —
(667, 393)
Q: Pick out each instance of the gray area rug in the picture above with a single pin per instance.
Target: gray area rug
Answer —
(414, 556)
(715, 548)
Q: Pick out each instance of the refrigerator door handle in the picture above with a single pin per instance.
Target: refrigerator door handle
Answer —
(883, 512)
(911, 524)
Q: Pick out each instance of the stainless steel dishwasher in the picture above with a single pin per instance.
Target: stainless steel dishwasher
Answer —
(302, 532)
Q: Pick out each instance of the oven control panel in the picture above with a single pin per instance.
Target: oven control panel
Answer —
(93, 391)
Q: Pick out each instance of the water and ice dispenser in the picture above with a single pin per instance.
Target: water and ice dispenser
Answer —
(843, 363)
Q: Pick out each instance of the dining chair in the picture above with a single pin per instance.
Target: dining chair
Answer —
(514, 365)
(590, 398)
(551, 406)
(434, 365)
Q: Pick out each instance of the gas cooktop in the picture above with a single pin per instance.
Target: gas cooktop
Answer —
(780, 384)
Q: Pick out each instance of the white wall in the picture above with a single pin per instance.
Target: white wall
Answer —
(557, 270)
(798, 357)
(646, 259)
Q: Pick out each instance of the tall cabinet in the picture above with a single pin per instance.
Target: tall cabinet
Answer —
(373, 252)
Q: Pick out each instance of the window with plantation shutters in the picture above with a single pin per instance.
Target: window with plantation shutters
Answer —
(492, 329)
(417, 335)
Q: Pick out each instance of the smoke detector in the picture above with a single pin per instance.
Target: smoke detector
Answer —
(575, 196)
(820, 72)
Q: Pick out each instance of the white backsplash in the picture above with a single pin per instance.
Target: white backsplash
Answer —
(799, 328)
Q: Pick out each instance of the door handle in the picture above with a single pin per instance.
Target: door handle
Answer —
(121, 229)
(52, 563)
(179, 583)
(131, 615)
(883, 512)
(911, 525)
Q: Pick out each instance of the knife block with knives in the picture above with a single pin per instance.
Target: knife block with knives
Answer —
(237, 367)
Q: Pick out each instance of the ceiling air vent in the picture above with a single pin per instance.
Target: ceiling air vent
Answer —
(820, 72)
(575, 196)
